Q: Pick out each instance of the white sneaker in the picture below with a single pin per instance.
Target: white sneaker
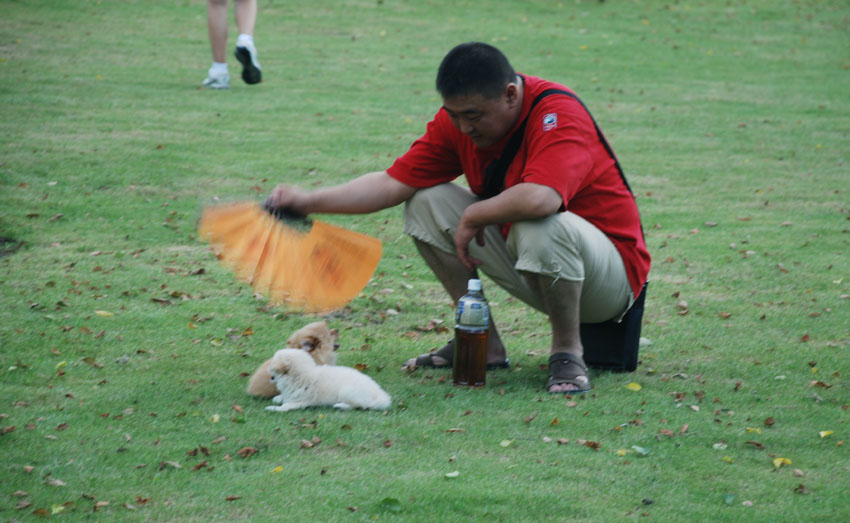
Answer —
(218, 80)
(246, 53)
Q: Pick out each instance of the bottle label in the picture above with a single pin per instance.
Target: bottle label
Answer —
(473, 313)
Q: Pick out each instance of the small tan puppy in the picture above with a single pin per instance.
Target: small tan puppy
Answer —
(315, 338)
(304, 384)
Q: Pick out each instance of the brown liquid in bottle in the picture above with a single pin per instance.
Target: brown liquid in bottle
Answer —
(470, 359)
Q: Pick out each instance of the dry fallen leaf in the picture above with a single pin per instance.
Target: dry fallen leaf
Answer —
(246, 452)
(778, 462)
(595, 445)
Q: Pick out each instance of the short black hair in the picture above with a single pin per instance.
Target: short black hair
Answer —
(474, 68)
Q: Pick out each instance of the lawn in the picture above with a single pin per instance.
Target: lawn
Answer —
(125, 347)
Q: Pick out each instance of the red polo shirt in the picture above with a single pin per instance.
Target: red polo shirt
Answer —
(561, 149)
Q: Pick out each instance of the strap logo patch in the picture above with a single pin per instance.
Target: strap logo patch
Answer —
(550, 121)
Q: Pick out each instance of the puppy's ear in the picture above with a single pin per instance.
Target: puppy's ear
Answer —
(310, 344)
(280, 367)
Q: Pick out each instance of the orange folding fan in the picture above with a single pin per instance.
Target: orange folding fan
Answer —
(304, 265)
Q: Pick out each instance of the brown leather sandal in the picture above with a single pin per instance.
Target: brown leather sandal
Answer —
(447, 352)
(565, 368)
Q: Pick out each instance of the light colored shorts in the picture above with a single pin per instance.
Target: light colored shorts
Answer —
(563, 246)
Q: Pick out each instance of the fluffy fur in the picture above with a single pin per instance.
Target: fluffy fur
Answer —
(304, 384)
(316, 339)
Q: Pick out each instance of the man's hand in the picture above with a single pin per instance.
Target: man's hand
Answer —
(466, 231)
(287, 199)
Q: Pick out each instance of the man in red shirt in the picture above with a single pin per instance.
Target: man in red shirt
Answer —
(555, 224)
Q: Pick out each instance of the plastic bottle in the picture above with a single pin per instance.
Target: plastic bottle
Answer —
(471, 322)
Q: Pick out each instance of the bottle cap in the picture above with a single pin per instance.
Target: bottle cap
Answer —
(474, 285)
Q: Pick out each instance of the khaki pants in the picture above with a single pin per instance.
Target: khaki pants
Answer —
(563, 246)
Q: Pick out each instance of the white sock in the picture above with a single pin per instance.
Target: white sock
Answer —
(218, 67)
(244, 40)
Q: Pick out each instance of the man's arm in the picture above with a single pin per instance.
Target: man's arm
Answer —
(365, 194)
(524, 201)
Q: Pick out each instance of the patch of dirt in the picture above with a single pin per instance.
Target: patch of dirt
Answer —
(8, 246)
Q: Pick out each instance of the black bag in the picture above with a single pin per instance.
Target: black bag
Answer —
(614, 346)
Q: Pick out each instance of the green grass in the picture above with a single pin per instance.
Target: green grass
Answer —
(732, 122)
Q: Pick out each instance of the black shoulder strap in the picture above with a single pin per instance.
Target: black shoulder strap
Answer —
(494, 174)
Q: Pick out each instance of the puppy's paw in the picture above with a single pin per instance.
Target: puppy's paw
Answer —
(278, 399)
(285, 407)
(342, 406)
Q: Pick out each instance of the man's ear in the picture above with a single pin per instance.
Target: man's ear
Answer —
(512, 94)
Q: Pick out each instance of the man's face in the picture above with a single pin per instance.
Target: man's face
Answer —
(485, 121)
